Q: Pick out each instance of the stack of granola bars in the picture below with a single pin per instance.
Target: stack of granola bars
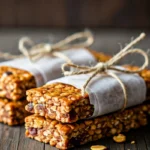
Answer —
(13, 85)
(61, 116)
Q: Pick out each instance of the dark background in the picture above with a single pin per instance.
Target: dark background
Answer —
(75, 13)
(111, 22)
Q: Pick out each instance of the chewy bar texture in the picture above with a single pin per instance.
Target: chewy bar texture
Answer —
(65, 102)
(14, 82)
(11, 112)
(59, 101)
(64, 136)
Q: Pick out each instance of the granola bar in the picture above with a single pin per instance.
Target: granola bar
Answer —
(59, 101)
(11, 112)
(64, 136)
(65, 102)
(14, 82)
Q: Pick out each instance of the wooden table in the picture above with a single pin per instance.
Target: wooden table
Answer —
(106, 40)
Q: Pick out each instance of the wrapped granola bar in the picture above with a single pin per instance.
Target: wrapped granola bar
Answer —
(19, 75)
(61, 99)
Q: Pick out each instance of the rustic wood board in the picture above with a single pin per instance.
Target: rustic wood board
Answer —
(13, 138)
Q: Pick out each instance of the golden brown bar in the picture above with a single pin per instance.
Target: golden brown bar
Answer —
(64, 136)
(14, 82)
(12, 113)
(59, 101)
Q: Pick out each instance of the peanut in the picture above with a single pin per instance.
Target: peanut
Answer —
(120, 138)
(98, 147)
(132, 142)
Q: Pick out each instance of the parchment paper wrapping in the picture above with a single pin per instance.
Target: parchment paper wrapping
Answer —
(49, 68)
(105, 92)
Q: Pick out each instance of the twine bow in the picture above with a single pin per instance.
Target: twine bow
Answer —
(109, 65)
(38, 51)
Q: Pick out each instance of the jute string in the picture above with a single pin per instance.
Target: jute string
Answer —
(109, 65)
(38, 51)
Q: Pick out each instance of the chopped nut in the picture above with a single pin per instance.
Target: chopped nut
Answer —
(91, 132)
(88, 122)
(98, 147)
(120, 138)
(93, 127)
(113, 131)
(132, 142)
(98, 131)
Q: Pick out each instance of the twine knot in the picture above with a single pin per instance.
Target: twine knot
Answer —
(48, 47)
(38, 51)
(101, 66)
(109, 65)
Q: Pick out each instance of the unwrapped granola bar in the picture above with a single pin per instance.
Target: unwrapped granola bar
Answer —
(59, 101)
(64, 136)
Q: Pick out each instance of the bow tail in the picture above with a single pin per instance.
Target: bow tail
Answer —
(87, 82)
(123, 88)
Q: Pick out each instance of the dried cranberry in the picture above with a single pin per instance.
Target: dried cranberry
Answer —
(32, 131)
(30, 107)
(41, 107)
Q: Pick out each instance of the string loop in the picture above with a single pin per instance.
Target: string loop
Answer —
(36, 52)
(109, 65)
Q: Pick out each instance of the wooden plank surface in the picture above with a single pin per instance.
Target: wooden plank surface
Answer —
(106, 40)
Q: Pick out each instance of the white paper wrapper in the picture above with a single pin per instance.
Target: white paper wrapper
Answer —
(106, 93)
(49, 68)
